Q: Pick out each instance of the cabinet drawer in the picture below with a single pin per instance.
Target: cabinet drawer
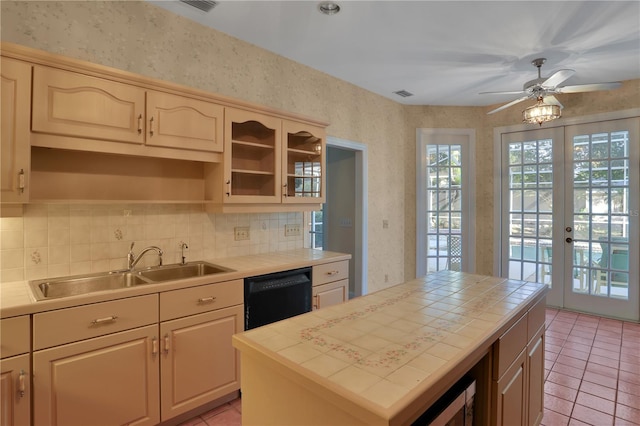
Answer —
(15, 334)
(83, 322)
(508, 346)
(535, 319)
(329, 272)
(194, 300)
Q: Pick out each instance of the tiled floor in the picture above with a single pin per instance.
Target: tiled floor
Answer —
(592, 370)
(592, 374)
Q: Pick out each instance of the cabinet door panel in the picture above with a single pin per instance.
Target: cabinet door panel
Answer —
(199, 364)
(509, 394)
(15, 395)
(303, 163)
(252, 158)
(15, 113)
(185, 123)
(72, 104)
(535, 378)
(103, 381)
(330, 294)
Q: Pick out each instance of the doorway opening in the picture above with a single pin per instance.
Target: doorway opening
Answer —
(341, 225)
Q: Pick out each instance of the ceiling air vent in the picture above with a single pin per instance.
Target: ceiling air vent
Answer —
(403, 93)
(204, 5)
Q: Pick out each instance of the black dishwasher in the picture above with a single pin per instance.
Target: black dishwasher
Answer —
(274, 297)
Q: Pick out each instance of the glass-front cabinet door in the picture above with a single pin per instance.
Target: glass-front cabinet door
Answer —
(252, 161)
(303, 159)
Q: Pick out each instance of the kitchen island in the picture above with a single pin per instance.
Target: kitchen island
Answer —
(385, 358)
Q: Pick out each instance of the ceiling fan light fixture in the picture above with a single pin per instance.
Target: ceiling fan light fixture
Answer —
(329, 7)
(541, 112)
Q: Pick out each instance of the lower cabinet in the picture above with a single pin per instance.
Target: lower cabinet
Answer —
(510, 392)
(15, 397)
(330, 284)
(15, 371)
(198, 363)
(518, 371)
(535, 378)
(106, 380)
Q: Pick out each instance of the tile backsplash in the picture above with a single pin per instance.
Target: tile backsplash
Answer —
(51, 240)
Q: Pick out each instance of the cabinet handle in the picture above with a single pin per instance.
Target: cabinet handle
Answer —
(228, 182)
(140, 124)
(154, 346)
(21, 181)
(333, 273)
(151, 126)
(285, 190)
(166, 343)
(21, 385)
(315, 302)
(207, 299)
(96, 321)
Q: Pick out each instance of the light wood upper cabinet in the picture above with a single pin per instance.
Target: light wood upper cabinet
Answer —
(252, 160)
(16, 103)
(185, 123)
(269, 160)
(72, 104)
(303, 162)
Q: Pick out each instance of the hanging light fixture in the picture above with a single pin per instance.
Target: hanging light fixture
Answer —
(541, 112)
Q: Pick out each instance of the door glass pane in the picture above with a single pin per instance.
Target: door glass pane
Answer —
(601, 214)
(444, 207)
(530, 205)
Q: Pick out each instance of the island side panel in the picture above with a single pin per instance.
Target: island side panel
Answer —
(271, 398)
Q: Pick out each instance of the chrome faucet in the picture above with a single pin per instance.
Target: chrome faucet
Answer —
(183, 246)
(132, 259)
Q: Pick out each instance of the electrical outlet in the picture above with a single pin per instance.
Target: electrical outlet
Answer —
(292, 230)
(241, 233)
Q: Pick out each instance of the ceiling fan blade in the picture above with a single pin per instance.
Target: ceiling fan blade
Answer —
(514, 92)
(557, 78)
(588, 87)
(552, 100)
(509, 104)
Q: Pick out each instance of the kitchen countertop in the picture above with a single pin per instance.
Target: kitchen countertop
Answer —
(16, 297)
(378, 354)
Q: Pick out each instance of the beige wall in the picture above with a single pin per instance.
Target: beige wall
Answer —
(141, 38)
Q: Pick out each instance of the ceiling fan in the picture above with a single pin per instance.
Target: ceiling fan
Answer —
(543, 88)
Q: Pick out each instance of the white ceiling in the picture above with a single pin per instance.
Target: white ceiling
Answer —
(444, 52)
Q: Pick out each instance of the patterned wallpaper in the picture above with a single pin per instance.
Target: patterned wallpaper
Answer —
(139, 37)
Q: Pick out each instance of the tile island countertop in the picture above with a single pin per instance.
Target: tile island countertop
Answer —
(377, 359)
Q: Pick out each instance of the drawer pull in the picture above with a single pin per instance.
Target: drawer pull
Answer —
(166, 343)
(97, 321)
(333, 273)
(207, 299)
(154, 346)
(21, 385)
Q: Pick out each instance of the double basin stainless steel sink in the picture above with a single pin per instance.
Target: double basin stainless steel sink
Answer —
(84, 284)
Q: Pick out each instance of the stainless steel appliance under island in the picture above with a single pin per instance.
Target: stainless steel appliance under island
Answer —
(386, 358)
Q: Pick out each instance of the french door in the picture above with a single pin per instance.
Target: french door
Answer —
(570, 202)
